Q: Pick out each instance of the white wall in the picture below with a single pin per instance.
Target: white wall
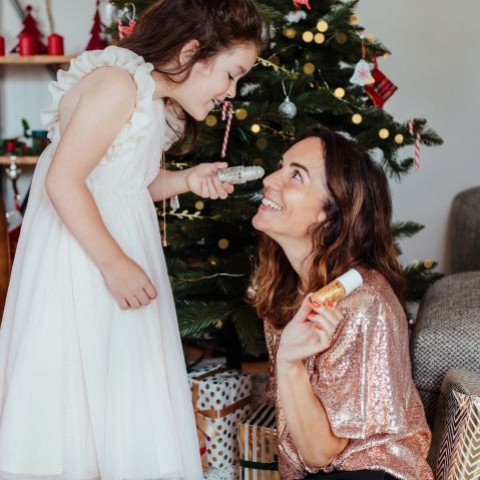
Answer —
(435, 64)
(434, 45)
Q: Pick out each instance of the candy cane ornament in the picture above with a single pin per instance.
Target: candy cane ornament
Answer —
(227, 111)
(411, 130)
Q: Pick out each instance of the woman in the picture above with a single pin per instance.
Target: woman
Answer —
(346, 404)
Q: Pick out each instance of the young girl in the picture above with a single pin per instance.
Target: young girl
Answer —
(92, 375)
(347, 407)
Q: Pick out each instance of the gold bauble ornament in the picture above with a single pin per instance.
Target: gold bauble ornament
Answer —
(309, 68)
(307, 36)
(255, 128)
(223, 244)
(339, 92)
(218, 324)
(199, 205)
(241, 114)
(398, 138)
(211, 121)
(383, 133)
(319, 38)
(357, 118)
(322, 26)
(341, 38)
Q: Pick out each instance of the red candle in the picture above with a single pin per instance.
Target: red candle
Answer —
(26, 44)
(2, 46)
(55, 44)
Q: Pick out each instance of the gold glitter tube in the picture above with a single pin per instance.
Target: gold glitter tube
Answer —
(337, 289)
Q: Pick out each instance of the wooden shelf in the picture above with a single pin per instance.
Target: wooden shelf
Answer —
(35, 59)
(20, 161)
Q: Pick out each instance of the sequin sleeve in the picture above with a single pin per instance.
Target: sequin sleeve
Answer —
(362, 380)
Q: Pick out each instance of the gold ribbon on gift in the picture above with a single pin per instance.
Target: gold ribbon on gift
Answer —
(202, 416)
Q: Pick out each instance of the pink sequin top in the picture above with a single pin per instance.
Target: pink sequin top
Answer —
(365, 384)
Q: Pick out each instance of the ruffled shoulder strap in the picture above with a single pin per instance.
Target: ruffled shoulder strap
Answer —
(86, 63)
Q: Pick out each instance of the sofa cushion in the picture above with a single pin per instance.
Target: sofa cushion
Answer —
(446, 335)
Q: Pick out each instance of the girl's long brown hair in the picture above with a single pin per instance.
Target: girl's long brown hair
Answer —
(166, 26)
(356, 231)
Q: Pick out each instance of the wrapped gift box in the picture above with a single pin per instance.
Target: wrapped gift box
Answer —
(221, 401)
(258, 446)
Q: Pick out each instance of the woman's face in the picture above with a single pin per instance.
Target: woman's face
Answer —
(214, 80)
(295, 195)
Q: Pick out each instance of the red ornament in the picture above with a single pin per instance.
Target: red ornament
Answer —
(125, 30)
(55, 44)
(382, 89)
(30, 28)
(2, 46)
(96, 42)
(299, 3)
(26, 44)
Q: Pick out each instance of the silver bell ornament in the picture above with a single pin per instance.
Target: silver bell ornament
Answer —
(287, 107)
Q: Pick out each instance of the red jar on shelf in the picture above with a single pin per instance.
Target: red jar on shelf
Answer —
(2, 46)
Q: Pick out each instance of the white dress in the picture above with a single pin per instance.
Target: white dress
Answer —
(88, 391)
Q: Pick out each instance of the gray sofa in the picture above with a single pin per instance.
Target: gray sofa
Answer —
(447, 336)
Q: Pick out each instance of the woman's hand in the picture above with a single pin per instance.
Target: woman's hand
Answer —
(129, 284)
(202, 180)
(308, 333)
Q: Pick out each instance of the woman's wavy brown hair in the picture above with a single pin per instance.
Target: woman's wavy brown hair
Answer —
(166, 26)
(356, 232)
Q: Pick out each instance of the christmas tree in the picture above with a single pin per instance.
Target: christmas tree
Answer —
(30, 26)
(319, 59)
(96, 42)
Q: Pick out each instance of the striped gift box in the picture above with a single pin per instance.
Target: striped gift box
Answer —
(258, 446)
(455, 451)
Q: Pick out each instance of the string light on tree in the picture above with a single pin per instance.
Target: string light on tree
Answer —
(307, 36)
(309, 68)
(428, 264)
(354, 19)
(371, 37)
(383, 133)
(223, 244)
(241, 114)
(319, 38)
(339, 92)
(289, 32)
(399, 138)
(322, 26)
(255, 128)
(218, 324)
(211, 121)
(199, 205)
(357, 119)
(262, 144)
(341, 38)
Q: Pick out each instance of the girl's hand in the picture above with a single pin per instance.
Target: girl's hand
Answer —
(308, 333)
(129, 284)
(203, 181)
